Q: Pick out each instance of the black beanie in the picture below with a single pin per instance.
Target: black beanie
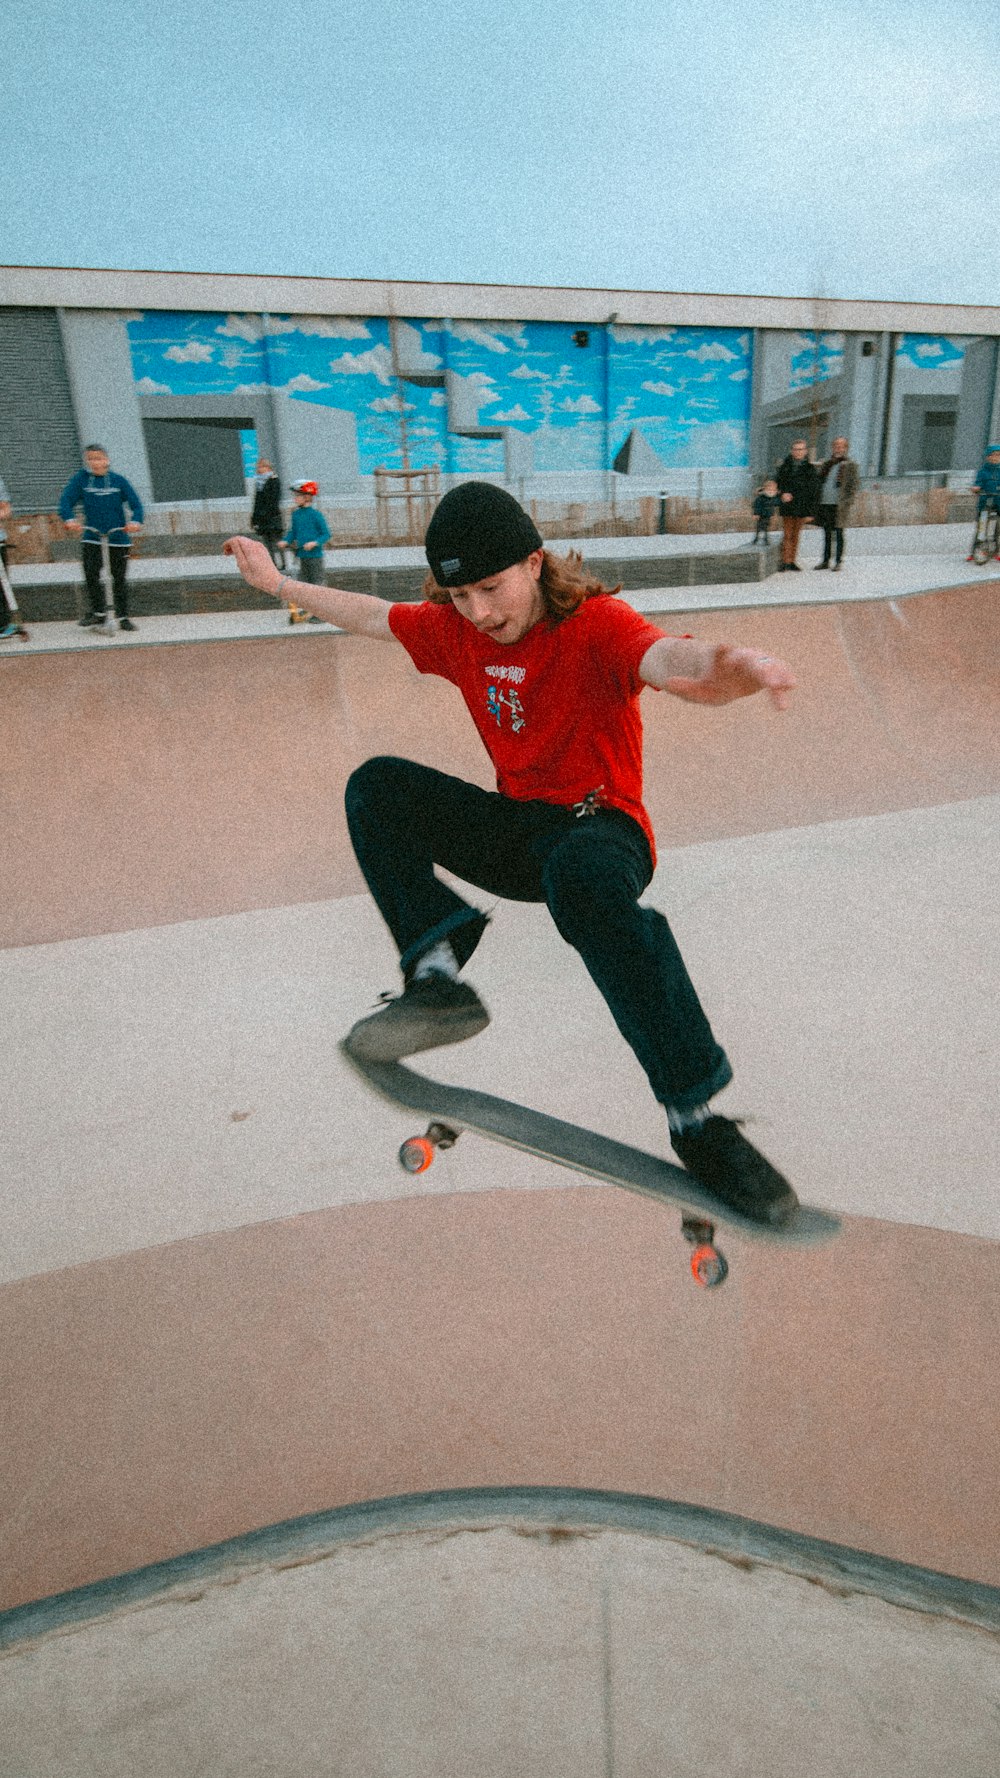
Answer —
(478, 530)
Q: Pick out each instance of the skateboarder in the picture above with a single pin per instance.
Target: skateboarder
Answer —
(551, 666)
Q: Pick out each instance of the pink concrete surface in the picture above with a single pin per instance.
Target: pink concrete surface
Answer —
(148, 785)
(170, 1398)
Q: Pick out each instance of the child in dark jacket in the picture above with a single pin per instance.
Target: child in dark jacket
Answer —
(765, 506)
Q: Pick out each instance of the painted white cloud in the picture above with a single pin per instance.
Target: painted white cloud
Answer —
(583, 405)
(252, 389)
(242, 327)
(524, 371)
(512, 415)
(715, 353)
(439, 398)
(694, 402)
(195, 352)
(738, 376)
(625, 334)
(324, 327)
(410, 346)
(717, 446)
(146, 386)
(491, 334)
(376, 363)
(660, 388)
(479, 381)
(303, 384)
(933, 349)
(391, 404)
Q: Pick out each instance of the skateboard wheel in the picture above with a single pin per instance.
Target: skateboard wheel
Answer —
(708, 1267)
(416, 1154)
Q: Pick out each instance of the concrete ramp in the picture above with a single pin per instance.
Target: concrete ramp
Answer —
(148, 785)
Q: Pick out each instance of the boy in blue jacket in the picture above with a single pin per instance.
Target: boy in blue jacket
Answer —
(111, 509)
(308, 533)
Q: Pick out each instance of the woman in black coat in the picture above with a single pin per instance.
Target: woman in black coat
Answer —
(266, 517)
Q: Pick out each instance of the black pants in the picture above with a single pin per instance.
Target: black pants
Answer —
(96, 592)
(831, 531)
(406, 818)
(272, 543)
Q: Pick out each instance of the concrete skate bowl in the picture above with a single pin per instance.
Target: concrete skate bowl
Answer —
(166, 1397)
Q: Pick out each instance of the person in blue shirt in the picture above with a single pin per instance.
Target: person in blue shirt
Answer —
(307, 534)
(987, 486)
(111, 509)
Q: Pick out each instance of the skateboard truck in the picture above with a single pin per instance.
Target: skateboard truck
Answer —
(708, 1264)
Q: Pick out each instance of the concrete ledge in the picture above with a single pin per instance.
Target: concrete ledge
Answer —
(180, 593)
(553, 1512)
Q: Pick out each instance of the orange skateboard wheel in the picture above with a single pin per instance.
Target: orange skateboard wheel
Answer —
(708, 1268)
(416, 1154)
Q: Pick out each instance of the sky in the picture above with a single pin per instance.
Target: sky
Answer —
(848, 150)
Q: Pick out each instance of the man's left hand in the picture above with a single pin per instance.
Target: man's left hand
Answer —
(738, 673)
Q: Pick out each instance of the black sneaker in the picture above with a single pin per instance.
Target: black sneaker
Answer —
(718, 1155)
(125, 623)
(436, 1010)
(92, 619)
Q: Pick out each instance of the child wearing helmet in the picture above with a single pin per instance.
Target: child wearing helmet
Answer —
(551, 666)
(307, 535)
(987, 486)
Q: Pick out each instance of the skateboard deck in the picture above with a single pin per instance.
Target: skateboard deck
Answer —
(454, 1109)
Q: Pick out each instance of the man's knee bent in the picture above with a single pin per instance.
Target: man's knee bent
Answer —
(376, 781)
(582, 889)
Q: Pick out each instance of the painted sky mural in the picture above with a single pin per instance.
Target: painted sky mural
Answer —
(577, 393)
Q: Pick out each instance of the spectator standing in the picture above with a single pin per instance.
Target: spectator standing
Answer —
(306, 536)
(106, 498)
(796, 481)
(10, 617)
(839, 480)
(765, 506)
(987, 487)
(266, 519)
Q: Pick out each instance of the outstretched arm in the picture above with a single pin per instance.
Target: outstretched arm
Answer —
(358, 613)
(715, 672)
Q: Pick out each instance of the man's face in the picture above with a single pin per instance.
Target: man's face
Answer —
(504, 606)
(799, 449)
(840, 447)
(98, 462)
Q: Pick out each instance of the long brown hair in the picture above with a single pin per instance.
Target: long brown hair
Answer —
(563, 582)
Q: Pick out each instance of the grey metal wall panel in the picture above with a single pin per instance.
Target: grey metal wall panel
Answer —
(39, 447)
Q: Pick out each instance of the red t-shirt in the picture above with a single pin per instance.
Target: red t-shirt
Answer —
(558, 712)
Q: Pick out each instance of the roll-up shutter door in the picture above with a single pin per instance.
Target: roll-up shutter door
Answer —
(39, 448)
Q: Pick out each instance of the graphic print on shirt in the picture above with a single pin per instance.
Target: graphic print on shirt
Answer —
(496, 699)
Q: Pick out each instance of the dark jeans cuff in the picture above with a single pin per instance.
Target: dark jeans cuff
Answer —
(463, 942)
(720, 1077)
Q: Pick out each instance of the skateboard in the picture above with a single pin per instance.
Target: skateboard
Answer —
(454, 1109)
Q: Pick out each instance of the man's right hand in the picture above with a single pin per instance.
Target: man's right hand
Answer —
(73, 524)
(254, 564)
